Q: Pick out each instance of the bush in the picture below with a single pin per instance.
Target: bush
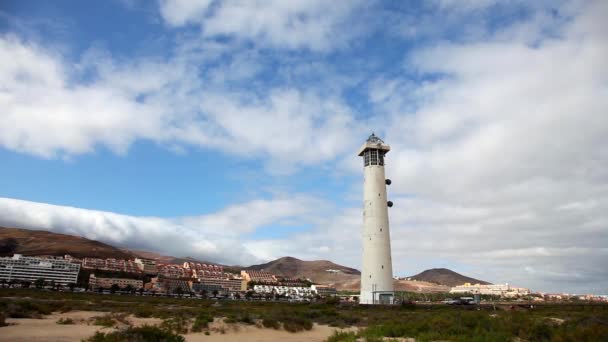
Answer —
(143, 312)
(177, 325)
(246, 318)
(342, 336)
(65, 321)
(144, 333)
(104, 321)
(3, 320)
(271, 323)
(295, 324)
(201, 322)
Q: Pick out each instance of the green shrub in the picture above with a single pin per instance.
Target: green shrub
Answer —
(104, 321)
(271, 323)
(201, 322)
(295, 324)
(177, 325)
(3, 320)
(141, 334)
(342, 336)
(143, 312)
(246, 318)
(65, 320)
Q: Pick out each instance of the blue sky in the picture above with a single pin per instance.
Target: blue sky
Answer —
(228, 130)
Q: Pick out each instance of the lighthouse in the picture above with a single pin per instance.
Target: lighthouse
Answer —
(377, 272)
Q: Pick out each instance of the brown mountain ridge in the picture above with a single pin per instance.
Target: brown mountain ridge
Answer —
(444, 276)
(38, 242)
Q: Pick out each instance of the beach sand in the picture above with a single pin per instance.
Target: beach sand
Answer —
(47, 329)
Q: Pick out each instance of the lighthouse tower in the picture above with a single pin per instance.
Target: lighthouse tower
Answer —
(377, 272)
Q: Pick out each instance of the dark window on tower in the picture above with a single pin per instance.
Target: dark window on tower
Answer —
(380, 157)
(374, 157)
(366, 158)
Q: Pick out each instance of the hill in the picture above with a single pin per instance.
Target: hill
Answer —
(444, 276)
(321, 271)
(40, 242)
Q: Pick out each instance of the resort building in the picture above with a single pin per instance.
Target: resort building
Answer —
(502, 290)
(147, 266)
(258, 276)
(106, 283)
(324, 290)
(21, 268)
(291, 291)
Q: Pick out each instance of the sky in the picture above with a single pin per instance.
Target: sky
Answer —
(228, 130)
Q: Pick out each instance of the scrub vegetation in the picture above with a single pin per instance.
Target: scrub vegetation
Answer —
(548, 322)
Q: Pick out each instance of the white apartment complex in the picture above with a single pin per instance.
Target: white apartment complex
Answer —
(21, 268)
(502, 290)
(295, 291)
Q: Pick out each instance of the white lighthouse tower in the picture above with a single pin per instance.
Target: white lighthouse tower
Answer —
(377, 273)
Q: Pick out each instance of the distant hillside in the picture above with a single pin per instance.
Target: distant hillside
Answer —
(322, 271)
(39, 242)
(444, 276)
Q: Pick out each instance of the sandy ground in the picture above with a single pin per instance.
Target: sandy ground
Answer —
(251, 333)
(47, 329)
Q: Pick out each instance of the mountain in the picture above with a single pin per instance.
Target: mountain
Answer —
(444, 276)
(39, 242)
(321, 271)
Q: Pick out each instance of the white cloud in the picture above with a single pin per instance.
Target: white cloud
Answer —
(215, 237)
(292, 24)
(502, 149)
(52, 110)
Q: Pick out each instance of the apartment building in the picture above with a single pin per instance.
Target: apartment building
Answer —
(324, 290)
(502, 290)
(258, 276)
(106, 283)
(21, 268)
(228, 284)
(147, 266)
(292, 291)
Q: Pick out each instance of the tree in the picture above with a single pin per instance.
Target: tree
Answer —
(39, 283)
(237, 295)
(178, 291)
(204, 294)
(72, 286)
(3, 282)
(129, 288)
(114, 288)
(249, 294)
(215, 292)
(26, 284)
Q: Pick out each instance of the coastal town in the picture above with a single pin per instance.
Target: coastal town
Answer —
(147, 277)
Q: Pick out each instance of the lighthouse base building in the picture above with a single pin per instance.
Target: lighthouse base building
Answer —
(377, 270)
